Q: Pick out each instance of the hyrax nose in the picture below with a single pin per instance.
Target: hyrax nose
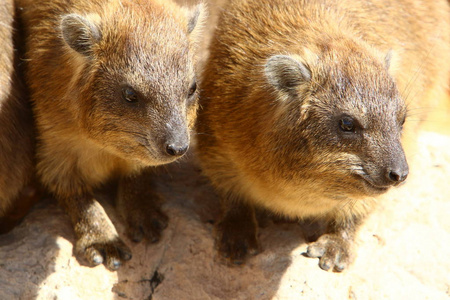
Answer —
(176, 150)
(397, 176)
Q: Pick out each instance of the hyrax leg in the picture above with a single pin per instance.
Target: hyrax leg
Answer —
(140, 206)
(236, 233)
(335, 247)
(98, 240)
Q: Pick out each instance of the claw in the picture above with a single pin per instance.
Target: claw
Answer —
(333, 251)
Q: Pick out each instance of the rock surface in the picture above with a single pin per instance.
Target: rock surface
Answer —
(403, 249)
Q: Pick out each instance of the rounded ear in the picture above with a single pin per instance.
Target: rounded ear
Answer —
(196, 18)
(80, 33)
(392, 62)
(388, 59)
(286, 73)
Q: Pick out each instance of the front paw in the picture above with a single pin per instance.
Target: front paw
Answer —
(140, 207)
(148, 225)
(333, 250)
(110, 251)
(236, 243)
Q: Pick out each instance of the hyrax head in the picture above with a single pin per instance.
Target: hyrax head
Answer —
(137, 87)
(340, 120)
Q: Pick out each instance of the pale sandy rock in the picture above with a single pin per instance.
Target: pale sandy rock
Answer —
(402, 254)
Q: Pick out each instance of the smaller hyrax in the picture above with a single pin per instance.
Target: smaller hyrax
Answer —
(302, 109)
(113, 88)
(17, 188)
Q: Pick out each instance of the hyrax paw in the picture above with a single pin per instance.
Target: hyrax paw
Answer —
(333, 250)
(235, 245)
(112, 253)
(148, 226)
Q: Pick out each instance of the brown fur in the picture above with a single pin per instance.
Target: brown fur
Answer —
(281, 78)
(17, 190)
(82, 59)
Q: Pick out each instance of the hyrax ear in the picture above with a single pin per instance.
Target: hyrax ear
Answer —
(392, 62)
(196, 18)
(388, 59)
(80, 33)
(286, 73)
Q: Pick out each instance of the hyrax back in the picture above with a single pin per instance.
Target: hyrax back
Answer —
(113, 90)
(302, 109)
(16, 126)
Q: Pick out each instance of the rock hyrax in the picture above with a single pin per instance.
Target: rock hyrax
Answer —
(17, 144)
(302, 109)
(113, 89)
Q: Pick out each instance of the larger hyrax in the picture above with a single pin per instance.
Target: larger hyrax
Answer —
(17, 142)
(302, 109)
(113, 90)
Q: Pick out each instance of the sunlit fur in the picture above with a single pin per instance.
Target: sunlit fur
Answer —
(16, 124)
(87, 132)
(369, 59)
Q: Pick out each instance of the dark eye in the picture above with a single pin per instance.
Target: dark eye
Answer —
(129, 94)
(347, 124)
(403, 122)
(192, 89)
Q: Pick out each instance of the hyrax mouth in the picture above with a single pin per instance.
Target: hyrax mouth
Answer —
(151, 155)
(373, 187)
(380, 180)
(369, 186)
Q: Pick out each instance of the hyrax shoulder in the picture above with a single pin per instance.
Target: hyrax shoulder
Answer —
(16, 126)
(114, 90)
(303, 105)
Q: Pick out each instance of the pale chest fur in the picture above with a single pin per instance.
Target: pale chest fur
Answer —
(304, 199)
(75, 164)
(97, 164)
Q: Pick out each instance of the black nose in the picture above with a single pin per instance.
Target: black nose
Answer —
(398, 176)
(176, 150)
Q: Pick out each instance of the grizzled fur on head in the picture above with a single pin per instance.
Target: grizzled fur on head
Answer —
(345, 117)
(332, 130)
(135, 77)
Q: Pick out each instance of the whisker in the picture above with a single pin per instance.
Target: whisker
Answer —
(409, 86)
(202, 133)
(135, 133)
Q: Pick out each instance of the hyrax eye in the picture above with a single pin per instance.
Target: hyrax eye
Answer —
(347, 124)
(403, 121)
(129, 95)
(192, 89)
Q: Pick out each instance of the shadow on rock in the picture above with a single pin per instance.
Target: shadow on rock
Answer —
(184, 263)
(29, 253)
